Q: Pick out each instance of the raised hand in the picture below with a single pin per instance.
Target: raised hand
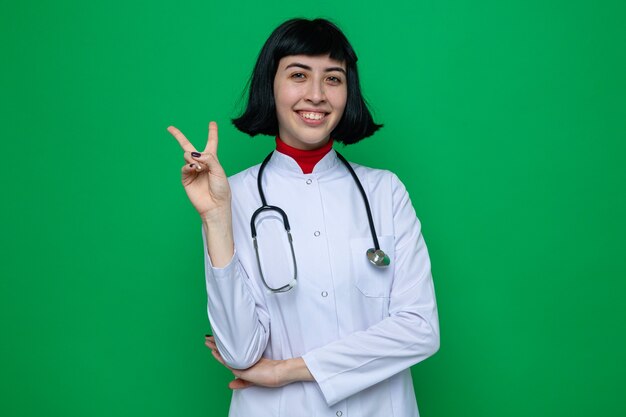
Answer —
(202, 176)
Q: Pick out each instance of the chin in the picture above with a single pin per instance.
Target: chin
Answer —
(314, 141)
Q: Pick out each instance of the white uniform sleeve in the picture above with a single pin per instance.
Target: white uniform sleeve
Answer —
(409, 335)
(239, 320)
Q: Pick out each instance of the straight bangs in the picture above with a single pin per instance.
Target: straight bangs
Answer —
(314, 38)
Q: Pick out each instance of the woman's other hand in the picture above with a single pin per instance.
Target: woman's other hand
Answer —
(203, 177)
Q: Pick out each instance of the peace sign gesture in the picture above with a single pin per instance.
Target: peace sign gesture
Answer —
(203, 177)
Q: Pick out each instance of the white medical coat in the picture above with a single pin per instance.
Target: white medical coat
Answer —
(358, 328)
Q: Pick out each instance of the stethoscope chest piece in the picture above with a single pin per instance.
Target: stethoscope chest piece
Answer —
(377, 257)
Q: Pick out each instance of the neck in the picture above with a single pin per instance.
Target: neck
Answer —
(306, 159)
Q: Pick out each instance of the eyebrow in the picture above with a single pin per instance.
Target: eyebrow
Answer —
(306, 67)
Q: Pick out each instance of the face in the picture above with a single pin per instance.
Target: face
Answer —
(310, 94)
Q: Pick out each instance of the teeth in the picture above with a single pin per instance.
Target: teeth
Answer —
(314, 116)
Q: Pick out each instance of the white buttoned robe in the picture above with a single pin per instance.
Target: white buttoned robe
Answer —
(359, 328)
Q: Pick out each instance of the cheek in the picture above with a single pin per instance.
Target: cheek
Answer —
(339, 102)
(339, 98)
(281, 104)
(284, 98)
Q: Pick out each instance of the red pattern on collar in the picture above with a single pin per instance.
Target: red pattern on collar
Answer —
(306, 159)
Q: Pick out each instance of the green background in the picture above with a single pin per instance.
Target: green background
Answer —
(505, 120)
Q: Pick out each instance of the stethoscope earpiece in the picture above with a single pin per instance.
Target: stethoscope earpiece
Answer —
(378, 257)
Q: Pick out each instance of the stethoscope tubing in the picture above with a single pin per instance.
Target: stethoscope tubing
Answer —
(375, 255)
(365, 200)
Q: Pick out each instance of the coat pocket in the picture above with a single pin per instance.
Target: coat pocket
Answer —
(371, 280)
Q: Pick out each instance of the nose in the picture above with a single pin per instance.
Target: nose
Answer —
(315, 93)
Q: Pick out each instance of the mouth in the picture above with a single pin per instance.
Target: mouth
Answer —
(312, 118)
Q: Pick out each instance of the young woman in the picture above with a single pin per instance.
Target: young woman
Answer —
(320, 293)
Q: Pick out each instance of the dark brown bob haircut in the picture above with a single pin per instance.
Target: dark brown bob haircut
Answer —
(313, 38)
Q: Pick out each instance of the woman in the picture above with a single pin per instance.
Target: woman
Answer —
(307, 321)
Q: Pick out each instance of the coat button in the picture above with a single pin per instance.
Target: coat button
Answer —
(324, 294)
(309, 181)
(317, 233)
(339, 413)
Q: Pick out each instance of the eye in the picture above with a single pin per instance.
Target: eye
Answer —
(334, 80)
(298, 76)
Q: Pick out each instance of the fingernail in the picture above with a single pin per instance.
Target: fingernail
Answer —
(196, 154)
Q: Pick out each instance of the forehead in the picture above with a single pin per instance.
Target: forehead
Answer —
(316, 62)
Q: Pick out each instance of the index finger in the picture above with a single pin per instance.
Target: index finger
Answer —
(182, 140)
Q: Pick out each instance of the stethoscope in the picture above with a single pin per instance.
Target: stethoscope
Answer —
(375, 255)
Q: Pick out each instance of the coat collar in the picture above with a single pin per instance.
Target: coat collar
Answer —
(285, 162)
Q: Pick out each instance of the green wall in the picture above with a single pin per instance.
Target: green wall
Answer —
(505, 119)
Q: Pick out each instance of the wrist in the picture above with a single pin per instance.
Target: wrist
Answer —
(217, 217)
(218, 230)
(295, 370)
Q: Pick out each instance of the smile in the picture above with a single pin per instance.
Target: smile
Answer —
(312, 118)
